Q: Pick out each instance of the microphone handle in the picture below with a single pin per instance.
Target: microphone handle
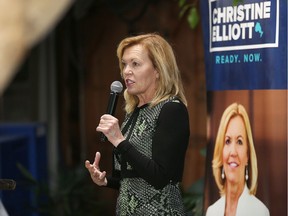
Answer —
(113, 99)
(103, 138)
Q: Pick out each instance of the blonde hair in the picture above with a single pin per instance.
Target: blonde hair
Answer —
(230, 112)
(163, 59)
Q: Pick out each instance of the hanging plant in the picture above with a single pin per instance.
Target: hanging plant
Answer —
(190, 9)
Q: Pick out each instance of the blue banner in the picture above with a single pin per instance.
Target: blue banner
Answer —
(245, 44)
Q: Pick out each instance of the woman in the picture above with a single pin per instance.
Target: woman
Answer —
(150, 148)
(235, 166)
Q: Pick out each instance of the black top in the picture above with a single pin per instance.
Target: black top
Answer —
(169, 146)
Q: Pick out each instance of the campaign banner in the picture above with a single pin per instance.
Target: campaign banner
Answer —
(245, 44)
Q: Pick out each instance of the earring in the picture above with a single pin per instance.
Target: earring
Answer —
(222, 174)
(246, 173)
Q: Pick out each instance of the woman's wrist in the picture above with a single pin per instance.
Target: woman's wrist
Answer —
(116, 143)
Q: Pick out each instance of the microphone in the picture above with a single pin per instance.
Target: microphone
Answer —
(116, 88)
(7, 184)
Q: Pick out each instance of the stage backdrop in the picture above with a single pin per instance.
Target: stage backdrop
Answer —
(246, 62)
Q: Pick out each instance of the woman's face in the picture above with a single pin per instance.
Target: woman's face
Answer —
(139, 74)
(235, 151)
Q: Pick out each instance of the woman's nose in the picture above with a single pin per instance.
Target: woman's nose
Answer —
(127, 70)
(233, 150)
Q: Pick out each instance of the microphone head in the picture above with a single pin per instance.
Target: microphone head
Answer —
(116, 87)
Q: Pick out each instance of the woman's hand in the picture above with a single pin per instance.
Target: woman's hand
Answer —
(97, 176)
(109, 126)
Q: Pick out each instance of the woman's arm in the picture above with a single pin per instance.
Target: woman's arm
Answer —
(168, 148)
(114, 180)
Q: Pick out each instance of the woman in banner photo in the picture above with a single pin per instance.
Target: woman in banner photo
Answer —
(235, 166)
(150, 148)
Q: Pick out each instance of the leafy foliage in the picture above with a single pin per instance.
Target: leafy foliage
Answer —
(75, 195)
(237, 2)
(191, 11)
(193, 198)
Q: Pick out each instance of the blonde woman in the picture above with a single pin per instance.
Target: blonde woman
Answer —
(235, 167)
(151, 145)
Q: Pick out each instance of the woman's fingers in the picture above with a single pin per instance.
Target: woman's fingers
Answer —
(107, 122)
(87, 165)
(102, 176)
(109, 126)
(97, 160)
(93, 168)
(97, 176)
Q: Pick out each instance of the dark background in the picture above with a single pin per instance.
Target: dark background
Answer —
(65, 83)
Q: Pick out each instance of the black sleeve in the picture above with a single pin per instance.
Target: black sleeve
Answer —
(168, 148)
(113, 181)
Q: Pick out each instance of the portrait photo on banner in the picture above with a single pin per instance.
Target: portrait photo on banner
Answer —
(262, 168)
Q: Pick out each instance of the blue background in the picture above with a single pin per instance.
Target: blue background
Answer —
(270, 73)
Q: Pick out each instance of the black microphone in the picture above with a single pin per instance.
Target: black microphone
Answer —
(116, 88)
(7, 184)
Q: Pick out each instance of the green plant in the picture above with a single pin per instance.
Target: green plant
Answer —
(193, 198)
(74, 196)
(191, 11)
(236, 2)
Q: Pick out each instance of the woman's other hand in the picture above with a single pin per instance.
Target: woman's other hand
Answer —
(97, 176)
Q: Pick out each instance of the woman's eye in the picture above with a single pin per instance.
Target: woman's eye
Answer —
(227, 141)
(240, 142)
(135, 64)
